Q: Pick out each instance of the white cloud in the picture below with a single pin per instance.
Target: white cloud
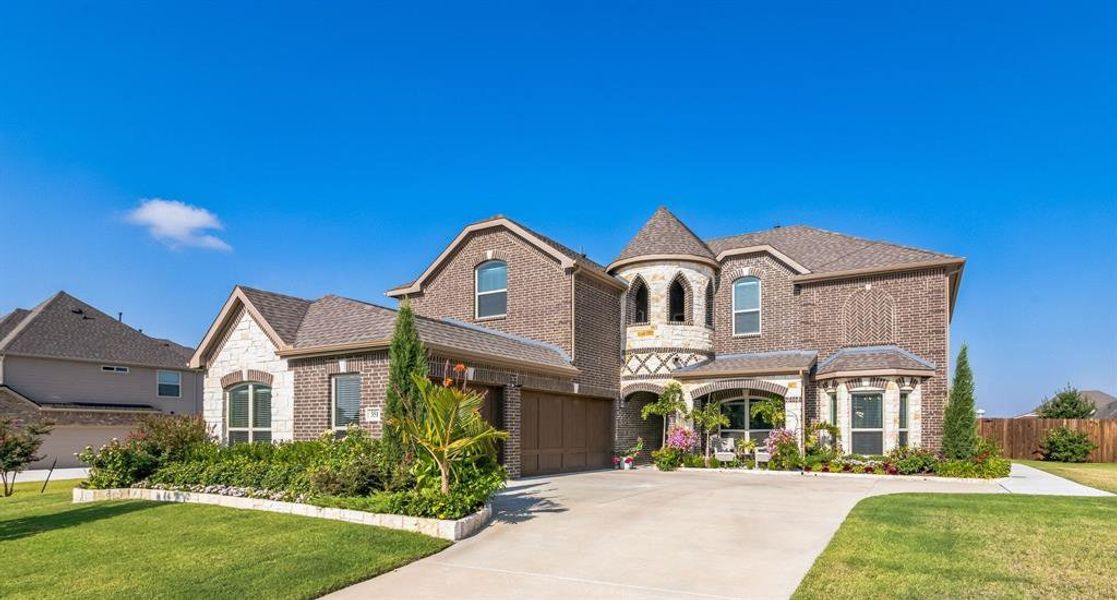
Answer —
(178, 224)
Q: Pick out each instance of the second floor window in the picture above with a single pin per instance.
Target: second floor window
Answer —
(492, 289)
(640, 308)
(676, 302)
(746, 306)
(169, 384)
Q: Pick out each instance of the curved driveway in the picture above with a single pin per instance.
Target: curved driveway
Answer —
(645, 534)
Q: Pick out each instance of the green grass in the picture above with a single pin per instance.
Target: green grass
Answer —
(1102, 476)
(970, 546)
(53, 548)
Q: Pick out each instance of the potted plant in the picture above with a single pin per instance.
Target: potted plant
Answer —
(630, 455)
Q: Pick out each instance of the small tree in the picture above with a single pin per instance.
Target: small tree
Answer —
(18, 448)
(709, 418)
(959, 436)
(407, 359)
(1067, 404)
(450, 427)
(670, 402)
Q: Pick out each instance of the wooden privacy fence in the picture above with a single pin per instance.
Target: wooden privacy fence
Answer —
(1020, 437)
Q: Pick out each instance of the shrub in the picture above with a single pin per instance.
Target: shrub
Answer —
(667, 459)
(1067, 404)
(681, 438)
(986, 463)
(117, 464)
(912, 461)
(695, 461)
(18, 448)
(1066, 445)
(170, 438)
(471, 491)
(783, 445)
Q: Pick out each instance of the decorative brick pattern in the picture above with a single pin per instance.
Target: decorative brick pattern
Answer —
(869, 317)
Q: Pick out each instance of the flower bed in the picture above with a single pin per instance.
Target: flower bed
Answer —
(245, 499)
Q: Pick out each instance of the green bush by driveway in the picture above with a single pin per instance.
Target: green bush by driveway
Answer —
(970, 546)
(134, 549)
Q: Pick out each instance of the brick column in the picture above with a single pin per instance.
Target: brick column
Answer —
(512, 426)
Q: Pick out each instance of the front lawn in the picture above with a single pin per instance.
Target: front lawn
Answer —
(139, 549)
(1102, 476)
(970, 546)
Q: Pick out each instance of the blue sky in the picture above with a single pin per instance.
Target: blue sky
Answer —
(340, 147)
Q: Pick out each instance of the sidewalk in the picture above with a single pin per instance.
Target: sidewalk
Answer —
(1030, 480)
(58, 475)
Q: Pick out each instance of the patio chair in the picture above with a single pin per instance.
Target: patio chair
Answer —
(723, 448)
(761, 456)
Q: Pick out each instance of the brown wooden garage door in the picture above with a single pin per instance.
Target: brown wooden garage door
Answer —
(560, 434)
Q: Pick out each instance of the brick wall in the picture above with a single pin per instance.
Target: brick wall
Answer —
(538, 288)
(630, 426)
(597, 335)
(313, 384)
(779, 310)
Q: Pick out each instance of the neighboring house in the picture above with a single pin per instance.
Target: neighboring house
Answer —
(568, 351)
(88, 373)
(1105, 404)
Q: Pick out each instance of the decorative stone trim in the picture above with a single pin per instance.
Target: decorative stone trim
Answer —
(642, 387)
(440, 528)
(246, 375)
(729, 384)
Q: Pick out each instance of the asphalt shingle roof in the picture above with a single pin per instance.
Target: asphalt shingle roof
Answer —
(871, 358)
(284, 313)
(752, 362)
(823, 251)
(664, 233)
(65, 327)
(334, 320)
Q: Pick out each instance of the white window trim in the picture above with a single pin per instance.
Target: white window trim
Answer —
(880, 429)
(477, 293)
(746, 432)
(333, 401)
(157, 384)
(118, 370)
(759, 306)
(251, 430)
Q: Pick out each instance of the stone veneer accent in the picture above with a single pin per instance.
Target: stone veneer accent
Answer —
(440, 528)
(246, 347)
(658, 332)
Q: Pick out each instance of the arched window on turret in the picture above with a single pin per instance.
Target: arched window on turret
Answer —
(678, 304)
(710, 303)
(638, 302)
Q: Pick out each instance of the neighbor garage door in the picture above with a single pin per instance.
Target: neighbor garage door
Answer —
(560, 434)
(64, 441)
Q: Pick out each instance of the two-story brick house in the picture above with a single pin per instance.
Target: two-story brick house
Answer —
(567, 351)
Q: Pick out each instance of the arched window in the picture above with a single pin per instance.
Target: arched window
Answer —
(746, 306)
(710, 303)
(492, 289)
(639, 305)
(248, 413)
(676, 302)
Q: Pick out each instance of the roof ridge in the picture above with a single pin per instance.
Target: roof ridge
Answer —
(271, 293)
(28, 319)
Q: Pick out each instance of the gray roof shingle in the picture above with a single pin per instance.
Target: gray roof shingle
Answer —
(284, 313)
(822, 251)
(751, 363)
(65, 327)
(873, 358)
(334, 320)
(663, 234)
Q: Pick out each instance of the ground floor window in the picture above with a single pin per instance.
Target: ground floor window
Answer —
(346, 400)
(902, 439)
(248, 413)
(867, 423)
(833, 397)
(741, 422)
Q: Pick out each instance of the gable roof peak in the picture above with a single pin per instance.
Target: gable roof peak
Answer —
(663, 235)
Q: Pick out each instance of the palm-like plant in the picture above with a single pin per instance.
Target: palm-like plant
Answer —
(451, 427)
(709, 419)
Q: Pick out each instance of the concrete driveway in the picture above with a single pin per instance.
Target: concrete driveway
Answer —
(646, 534)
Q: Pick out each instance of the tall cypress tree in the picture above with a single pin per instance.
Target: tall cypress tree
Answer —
(406, 357)
(959, 430)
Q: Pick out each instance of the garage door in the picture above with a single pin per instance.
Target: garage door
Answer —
(64, 441)
(560, 434)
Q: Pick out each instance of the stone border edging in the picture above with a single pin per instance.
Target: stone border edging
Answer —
(765, 472)
(441, 528)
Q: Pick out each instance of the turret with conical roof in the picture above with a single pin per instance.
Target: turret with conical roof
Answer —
(671, 275)
(664, 237)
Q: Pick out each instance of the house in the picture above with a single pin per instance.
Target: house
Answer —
(1105, 405)
(91, 375)
(567, 351)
